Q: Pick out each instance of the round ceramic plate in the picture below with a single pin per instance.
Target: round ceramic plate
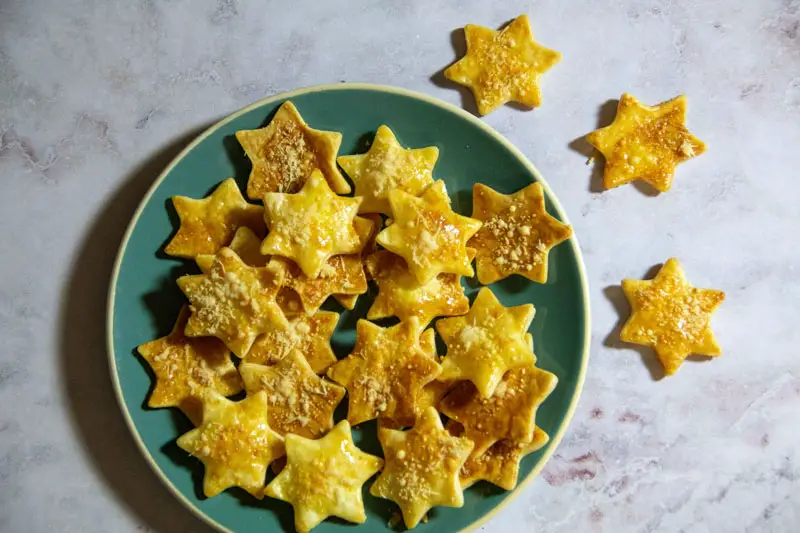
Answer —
(144, 299)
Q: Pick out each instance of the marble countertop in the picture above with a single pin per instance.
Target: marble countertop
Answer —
(97, 97)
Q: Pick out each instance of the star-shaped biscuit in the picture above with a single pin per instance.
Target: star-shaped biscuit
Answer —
(235, 443)
(422, 467)
(308, 334)
(645, 143)
(431, 394)
(300, 401)
(233, 302)
(323, 478)
(245, 243)
(499, 464)
(340, 275)
(671, 316)
(312, 225)
(517, 233)
(388, 166)
(400, 295)
(286, 152)
(209, 224)
(185, 368)
(428, 234)
(502, 66)
(385, 372)
(510, 413)
(486, 342)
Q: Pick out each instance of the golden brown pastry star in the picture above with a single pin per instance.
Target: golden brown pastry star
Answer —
(185, 368)
(235, 443)
(385, 372)
(233, 302)
(646, 143)
(245, 243)
(510, 413)
(209, 224)
(499, 464)
(323, 478)
(486, 342)
(422, 467)
(428, 234)
(308, 334)
(341, 275)
(501, 66)
(517, 233)
(671, 316)
(312, 225)
(300, 401)
(400, 295)
(388, 166)
(286, 152)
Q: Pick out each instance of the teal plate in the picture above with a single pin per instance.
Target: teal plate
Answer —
(144, 299)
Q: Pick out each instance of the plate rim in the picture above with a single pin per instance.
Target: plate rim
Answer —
(555, 440)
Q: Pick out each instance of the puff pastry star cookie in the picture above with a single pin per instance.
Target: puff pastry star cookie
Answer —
(499, 464)
(671, 316)
(428, 234)
(385, 372)
(510, 413)
(388, 166)
(209, 224)
(400, 295)
(323, 478)
(422, 467)
(286, 152)
(486, 342)
(308, 334)
(517, 233)
(185, 368)
(233, 302)
(502, 66)
(300, 401)
(341, 276)
(245, 243)
(645, 143)
(312, 225)
(235, 443)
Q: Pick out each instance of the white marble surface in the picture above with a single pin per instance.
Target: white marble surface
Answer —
(97, 96)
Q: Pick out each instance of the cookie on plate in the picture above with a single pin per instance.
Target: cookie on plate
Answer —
(428, 234)
(235, 443)
(388, 166)
(209, 224)
(422, 467)
(187, 367)
(300, 402)
(486, 342)
(323, 478)
(517, 233)
(284, 154)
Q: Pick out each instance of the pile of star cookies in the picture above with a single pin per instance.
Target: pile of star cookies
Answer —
(267, 269)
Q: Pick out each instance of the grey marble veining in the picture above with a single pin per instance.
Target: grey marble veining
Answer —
(97, 96)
